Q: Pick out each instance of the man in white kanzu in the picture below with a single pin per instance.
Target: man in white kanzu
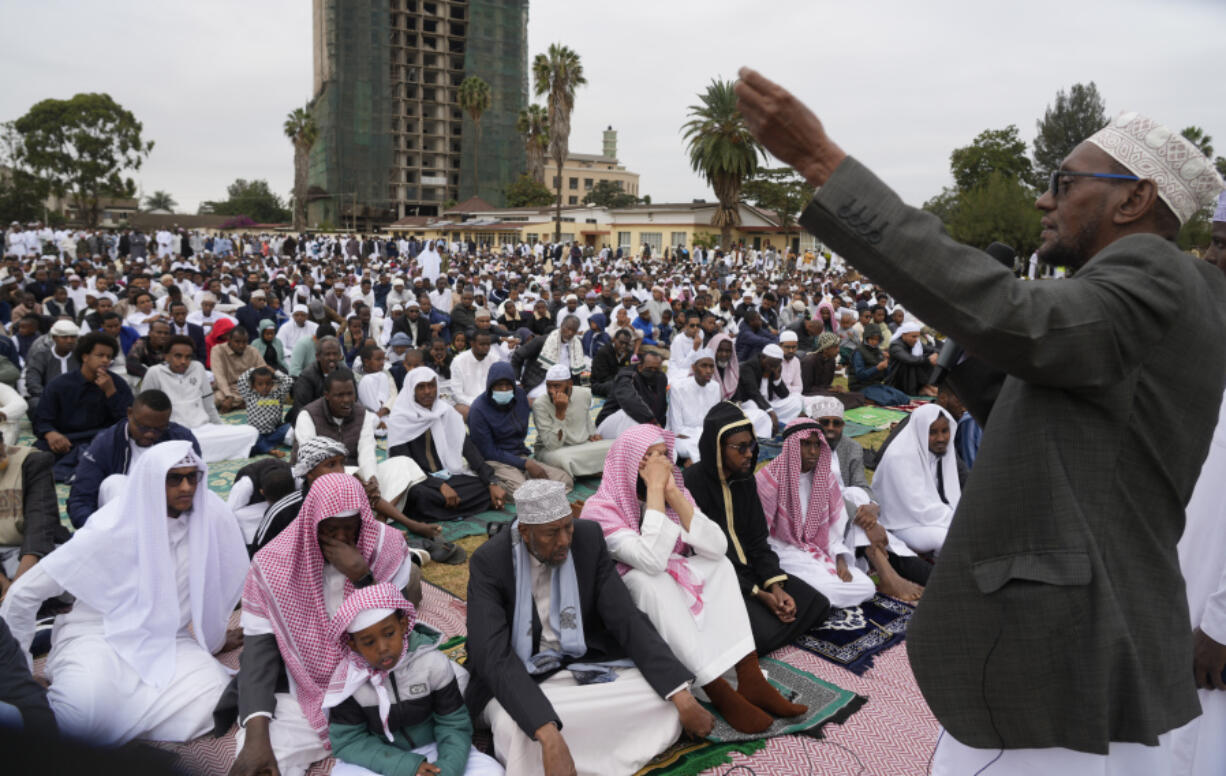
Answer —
(156, 575)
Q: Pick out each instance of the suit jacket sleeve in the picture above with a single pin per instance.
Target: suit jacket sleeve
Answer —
(1086, 333)
(491, 657)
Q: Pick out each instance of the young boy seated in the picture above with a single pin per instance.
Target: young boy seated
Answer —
(262, 390)
(396, 706)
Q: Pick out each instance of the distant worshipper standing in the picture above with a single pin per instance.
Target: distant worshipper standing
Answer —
(673, 560)
(899, 571)
(498, 423)
(1056, 550)
(804, 508)
(156, 574)
(917, 481)
(184, 380)
(690, 399)
(547, 611)
(115, 450)
(782, 605)
(566, 436)
(1199, 746)
(394, 702)
(297, 583)
(639, 395)
(79, 404)
(458, 480)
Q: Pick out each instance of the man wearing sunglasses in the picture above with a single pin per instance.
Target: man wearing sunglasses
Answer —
(1061, 558)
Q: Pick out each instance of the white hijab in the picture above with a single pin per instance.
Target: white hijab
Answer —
(410, 420)
(120, 564)
(905, 484)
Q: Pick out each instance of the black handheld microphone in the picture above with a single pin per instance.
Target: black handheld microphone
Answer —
(951, 352)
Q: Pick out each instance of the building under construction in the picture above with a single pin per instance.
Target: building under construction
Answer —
(393, 140)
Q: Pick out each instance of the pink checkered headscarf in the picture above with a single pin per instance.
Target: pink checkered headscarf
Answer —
(285, 586)
(615, 506)
(779, 489)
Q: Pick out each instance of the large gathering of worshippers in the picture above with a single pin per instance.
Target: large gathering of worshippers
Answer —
(376, 389)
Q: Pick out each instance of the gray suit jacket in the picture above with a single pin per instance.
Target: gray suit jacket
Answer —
(1056, 615)
(851, 465)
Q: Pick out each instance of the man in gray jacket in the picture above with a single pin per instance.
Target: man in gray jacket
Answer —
(1055, 619)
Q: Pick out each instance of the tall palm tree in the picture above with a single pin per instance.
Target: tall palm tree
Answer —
(723, 151)
(1203, 142)
(557, 74)
(301, 130)
(533, 126)
(474, 96)
(160, 200)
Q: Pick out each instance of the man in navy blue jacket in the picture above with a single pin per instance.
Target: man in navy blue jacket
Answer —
(114, 450)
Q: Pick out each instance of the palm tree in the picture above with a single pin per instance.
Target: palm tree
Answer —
(557, 74)
(474, 97)
(533, 125)
(301, 130)
(1198, 138)
(723, 151)
(160, 200)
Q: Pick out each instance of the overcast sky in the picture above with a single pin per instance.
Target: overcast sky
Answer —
(898, 84)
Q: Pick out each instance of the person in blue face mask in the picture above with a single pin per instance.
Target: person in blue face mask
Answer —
(498, 423)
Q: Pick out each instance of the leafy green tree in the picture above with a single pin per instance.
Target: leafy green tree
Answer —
(160, 200)
(533, 127)
(1199, 139)
(782, 191)
(475, 98)
(609, 194)
(300, 128)
(1075, 116)
(526, 191)
(1001, 208)
(723, 151)
(253, 199)
(557, 74)
(21, 191)
(993, 150)
(81, 147)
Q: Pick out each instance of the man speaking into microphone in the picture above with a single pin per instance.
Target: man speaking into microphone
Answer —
(1051, 637)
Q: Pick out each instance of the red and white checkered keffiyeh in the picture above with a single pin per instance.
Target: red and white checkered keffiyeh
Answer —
(285, 586)
(353, 671)
(779, 489)
(615, 506)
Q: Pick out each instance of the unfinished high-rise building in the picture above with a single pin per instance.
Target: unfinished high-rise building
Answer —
(393, 140)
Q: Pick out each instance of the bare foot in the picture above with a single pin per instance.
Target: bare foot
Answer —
(276, 453)
(903, 589)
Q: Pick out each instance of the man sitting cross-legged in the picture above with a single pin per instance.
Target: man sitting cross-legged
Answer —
(781, 605)
(917, 481)
(566, 436)
(549, 624)
(690, 399)
(156, 574)
(184, 380)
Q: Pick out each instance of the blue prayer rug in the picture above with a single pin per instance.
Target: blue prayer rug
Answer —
(851, 637)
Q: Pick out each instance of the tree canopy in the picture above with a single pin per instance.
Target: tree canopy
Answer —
(253, 199)
(526, 191)
(609, 194)
(722, 150)
(1076, 115)
(992, 151)
(160, 200)
(82, 147)
(782, 191)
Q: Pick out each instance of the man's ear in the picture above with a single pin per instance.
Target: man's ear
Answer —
(1139, 204)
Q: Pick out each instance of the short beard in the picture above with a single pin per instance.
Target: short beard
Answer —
(1073, 252)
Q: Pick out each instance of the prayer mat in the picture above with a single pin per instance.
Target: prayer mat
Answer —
(876, 418)
(851, 429)
(688, 758)
(851, 637)
(827, 703)
(456, 649)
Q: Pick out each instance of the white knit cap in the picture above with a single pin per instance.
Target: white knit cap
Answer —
(1186, 180)
(772, 351)
(557, 373)
(788, 336)
(368, 617)
(825, 407)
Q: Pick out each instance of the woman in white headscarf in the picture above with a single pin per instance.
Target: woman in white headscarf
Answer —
(917, 480)
(458, 480)
(156, 575)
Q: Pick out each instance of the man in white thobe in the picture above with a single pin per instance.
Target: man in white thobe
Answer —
(296, 328)
(430, 263)
(690, 399)
(470, 371)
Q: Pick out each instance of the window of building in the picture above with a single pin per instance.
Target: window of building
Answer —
(568, 237)
(653, 239)
(623, 241)
(572, 201)
(555, 181)
(678, 238)
(587, 184)
(574, 183)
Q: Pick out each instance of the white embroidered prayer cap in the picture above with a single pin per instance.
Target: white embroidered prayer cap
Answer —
(825, 407)
(541, 501)
(1186, 180)
(1220, 213)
